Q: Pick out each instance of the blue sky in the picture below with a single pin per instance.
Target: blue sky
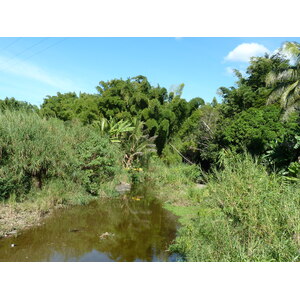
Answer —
(31, 68)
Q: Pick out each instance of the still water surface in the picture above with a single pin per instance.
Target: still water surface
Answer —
(125, 229)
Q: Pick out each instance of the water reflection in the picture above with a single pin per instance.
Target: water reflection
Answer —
(138, 230)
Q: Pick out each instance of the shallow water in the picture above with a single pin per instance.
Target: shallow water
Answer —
(125, 229)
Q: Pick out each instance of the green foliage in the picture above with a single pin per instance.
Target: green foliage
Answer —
(251, 91)
(294, 171)
(13, 104)
(196, 138)
(254, 129)
(195, 103)
(285, 82)
(285, 149)
(183, 173)
(138, 146)
(172, 183)
(115, 130)
(99, 161)
(252, 217)
(31, 148)
(74, 148)
(34, 151)
(124, 100)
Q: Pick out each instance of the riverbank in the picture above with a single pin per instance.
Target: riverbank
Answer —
(243, 214)
(47, 163)
(16, 217)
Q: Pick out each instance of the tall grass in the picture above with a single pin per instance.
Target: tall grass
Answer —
(174, 183)
(35, 152)
(252, 216)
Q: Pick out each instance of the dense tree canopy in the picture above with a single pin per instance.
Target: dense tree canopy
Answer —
(162, 112)
(250, 115)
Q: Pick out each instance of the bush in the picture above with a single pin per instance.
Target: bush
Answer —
(180, 173)
(99, 161)
(254, 128)
(252, 217)
(33, 151)
(172, 183)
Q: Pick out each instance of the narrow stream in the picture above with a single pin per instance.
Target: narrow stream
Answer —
(129, 228)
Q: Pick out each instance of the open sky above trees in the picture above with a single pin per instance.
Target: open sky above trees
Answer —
(32, 68)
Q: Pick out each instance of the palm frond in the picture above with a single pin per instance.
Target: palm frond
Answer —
(276, 94)
(292, 49)
(288, 94)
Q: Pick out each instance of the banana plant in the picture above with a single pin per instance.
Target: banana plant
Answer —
(116, 130)
(138, 144)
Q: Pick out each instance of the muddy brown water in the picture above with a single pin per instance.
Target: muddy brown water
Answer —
(130, 228)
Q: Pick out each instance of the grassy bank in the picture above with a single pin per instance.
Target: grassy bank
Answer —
(244, 214)
(174, 184)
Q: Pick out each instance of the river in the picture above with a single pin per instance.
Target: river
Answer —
(131, 228)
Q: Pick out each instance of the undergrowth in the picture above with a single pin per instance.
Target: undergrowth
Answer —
(250, 216)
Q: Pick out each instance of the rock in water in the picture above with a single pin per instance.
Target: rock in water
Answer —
(123, 187)
(106, 235)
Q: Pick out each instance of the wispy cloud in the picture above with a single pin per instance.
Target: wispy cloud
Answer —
(32, 71)
(243, 52)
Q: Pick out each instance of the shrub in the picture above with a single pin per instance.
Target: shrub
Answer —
(253, 217)
(33, 151)
(99, 161)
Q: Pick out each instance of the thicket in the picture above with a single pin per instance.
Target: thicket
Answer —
(34, 152)
(249, 216)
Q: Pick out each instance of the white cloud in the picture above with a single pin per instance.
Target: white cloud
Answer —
(245, 51)
(29, 70)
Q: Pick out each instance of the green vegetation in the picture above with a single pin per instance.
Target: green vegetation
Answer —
(230, 170)
(250, 216)
(48, 163)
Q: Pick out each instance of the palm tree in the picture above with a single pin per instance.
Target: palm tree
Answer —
(285, 83)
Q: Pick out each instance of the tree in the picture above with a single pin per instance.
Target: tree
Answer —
(285, 82)
(138, 145)
(13, 104)
(214, 102)
(252, 129)
(116, 131)
(251, 89)
(195, 103)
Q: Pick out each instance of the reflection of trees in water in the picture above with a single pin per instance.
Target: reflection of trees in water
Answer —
(141, 230)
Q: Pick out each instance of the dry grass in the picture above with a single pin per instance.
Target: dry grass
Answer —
(17, 217)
